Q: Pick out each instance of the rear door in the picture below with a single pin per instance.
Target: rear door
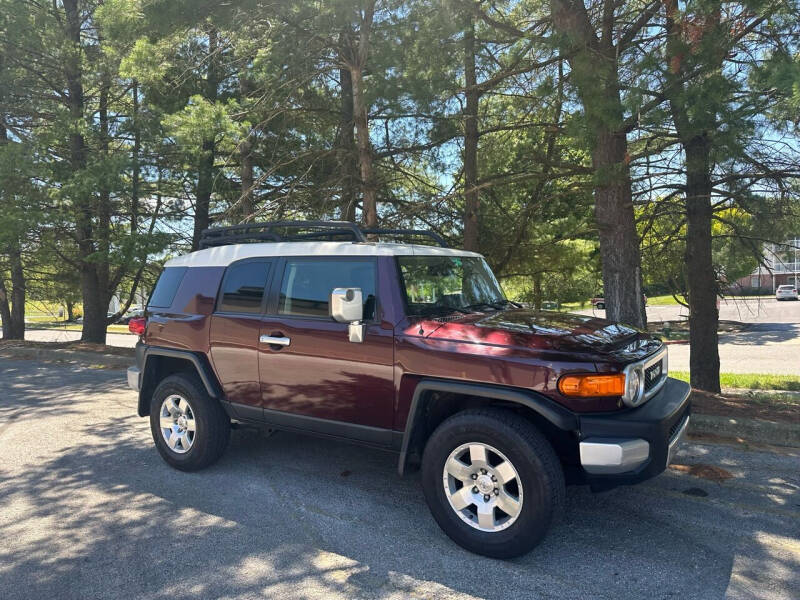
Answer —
(234, 334)
(319, 380)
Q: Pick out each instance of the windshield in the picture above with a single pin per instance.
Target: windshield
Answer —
(448, 283)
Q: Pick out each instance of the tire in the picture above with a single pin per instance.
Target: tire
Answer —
(600, 306)
(212, 427)
(538, 476)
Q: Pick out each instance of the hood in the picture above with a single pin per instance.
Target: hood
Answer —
(543, 330)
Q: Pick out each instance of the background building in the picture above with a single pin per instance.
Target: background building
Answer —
(781, 266)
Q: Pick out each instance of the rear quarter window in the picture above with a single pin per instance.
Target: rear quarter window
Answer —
(166, 287)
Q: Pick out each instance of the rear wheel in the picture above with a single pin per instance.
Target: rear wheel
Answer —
(492, 482)
(600, 305)
(190, 428)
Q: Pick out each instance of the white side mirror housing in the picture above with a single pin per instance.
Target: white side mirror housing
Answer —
(347, 305)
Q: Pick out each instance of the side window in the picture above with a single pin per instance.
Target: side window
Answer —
(166, 287)
(243, 287)
(307, 285)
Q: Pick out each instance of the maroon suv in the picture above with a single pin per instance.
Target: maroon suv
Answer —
(314, 327)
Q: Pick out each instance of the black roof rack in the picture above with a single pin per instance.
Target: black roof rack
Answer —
(409, 232)
(295, 231)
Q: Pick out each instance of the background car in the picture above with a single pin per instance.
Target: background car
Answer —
(786, 292)
(131, 314)
(600, 303)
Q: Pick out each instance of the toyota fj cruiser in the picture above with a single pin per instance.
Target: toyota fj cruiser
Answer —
(316, 327)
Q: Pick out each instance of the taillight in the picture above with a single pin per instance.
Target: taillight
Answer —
(592, 386)
(137, 325)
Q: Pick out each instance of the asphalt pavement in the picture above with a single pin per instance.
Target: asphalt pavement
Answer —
(89, 510)
(770, 345)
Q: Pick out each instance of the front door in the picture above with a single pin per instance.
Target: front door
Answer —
(309, 368)
(233, 335)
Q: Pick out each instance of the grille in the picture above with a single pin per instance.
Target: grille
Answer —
(676, 426)
(652, 374)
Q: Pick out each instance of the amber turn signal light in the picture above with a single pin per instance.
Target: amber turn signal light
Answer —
(592, 386)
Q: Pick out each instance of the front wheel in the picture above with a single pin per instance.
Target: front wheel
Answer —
(190, 428)
(492, 482)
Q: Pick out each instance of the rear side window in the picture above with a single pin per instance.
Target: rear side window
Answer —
(307, 285)
(167, 286)
(243, 287)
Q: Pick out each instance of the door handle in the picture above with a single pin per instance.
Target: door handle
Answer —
(274, 341)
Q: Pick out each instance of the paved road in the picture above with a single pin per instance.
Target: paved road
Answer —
(123, 340)
(771, 345)
(89, 510)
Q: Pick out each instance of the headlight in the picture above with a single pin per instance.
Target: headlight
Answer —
(633, 387)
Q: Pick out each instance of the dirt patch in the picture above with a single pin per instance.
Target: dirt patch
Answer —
(78, 346)
(748, 406)
(710, 472)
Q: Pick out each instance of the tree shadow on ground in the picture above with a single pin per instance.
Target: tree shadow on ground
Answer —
(760, 334)
(297, 517)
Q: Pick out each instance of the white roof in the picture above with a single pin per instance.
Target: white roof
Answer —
(222, 256)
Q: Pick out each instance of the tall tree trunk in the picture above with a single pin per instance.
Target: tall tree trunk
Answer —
(537, 291)
(246, 201)
(5, 310)
(12, 307)
(594, 67)
(357, 66)
(616, 224)
(347, 148)
(471, 197)
(12, 310)
(17, 323)
(94, 309)
(693, 116)
(136, 168)
(205, 170)
(703, 314)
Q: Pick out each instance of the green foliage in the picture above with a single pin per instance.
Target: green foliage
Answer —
(269, 93)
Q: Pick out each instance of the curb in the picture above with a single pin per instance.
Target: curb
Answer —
(752, 430)
(77, 357)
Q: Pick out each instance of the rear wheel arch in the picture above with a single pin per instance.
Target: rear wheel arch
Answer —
(160, 363)
(435, 400)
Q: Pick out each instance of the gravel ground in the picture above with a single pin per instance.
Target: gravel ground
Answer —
(89, 510)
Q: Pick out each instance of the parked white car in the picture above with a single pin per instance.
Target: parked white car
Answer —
(786, 292)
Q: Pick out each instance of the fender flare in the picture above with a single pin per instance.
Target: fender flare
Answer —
(201, 366)
(559, 416)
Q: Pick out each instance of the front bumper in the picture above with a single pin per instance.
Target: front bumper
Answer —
(637, 444)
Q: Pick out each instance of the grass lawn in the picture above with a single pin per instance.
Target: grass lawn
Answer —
(654, 301)
(667, 300)
(751, 381)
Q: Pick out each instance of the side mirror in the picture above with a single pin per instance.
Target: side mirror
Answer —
(347, 305)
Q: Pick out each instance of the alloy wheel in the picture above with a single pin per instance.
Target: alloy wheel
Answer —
(482, 487)
(177, 423)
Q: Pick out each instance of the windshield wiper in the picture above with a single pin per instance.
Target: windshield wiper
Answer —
(441, 310)
(480, 305)
(504, 302)
(498, 304)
